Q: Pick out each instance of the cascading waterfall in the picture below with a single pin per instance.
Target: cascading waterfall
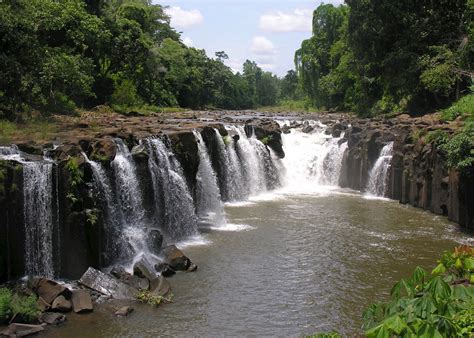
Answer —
(38, 205)
(312, 159)
(209, 204)
(378, 176)
(114, 222)
(170, 188)
(38, 216)
(230, 169)
(253, 168)
(129, 197)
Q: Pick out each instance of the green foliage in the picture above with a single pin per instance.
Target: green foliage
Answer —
(438, 136)
(265, 140)
(92, 217)
(76, 174)
(460, 148)
(15, 304)
(145, 296)
(464, 108)
(7, 129)
(427, 306)
(5, 304)
(381, 56)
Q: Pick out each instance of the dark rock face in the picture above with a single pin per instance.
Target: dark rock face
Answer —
(267, 131)
(175, 258)
(107, 285)
(418, 176)
(81, 301)
(49, 290)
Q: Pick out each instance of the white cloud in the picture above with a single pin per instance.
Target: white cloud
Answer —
(181, 18)
(262, 46)
(297, 21)
(188, 41)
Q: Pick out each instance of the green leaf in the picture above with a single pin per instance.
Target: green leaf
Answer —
(419, 275)
(439, 270)
(379, 331)
(468, 263)
(439, 289)
(396, 324)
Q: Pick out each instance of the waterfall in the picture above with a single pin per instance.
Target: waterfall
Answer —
(378, 176)
(312, 159)
(208, 197)
(129, 197)
(114, 222)
(38, 218)
(231, 183)
(253, 167)
(170, 188)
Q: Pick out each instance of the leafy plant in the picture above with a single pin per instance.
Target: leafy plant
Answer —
(325, 335)
(91, 217)
(15, 304)
(5, 304)
(439, 305)
(265, 140)
(147, 297)
(75, 172)
(460, 148)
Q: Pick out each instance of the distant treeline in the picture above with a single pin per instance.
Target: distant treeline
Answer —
(379, 56)
(59, 55)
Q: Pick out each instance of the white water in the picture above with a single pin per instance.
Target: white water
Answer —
(179, 218)
(378, 176)
(38, 215)
(208, 198)
(37, 212)
(313, 160)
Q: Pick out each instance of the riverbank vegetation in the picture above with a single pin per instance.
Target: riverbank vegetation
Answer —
(376, 57)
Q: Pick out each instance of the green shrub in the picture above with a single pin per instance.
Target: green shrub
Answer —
(439, 137)
(5, 304)
(440, 305)
(15, 304)
(460, 148)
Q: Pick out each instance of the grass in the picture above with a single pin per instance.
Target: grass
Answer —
(297, 106)
(464, 108)
(35, 129)
(146, 110)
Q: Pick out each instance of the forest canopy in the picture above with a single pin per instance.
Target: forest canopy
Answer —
(59, 55)
(381, 56)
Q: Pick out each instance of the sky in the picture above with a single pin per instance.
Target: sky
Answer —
(265, 31)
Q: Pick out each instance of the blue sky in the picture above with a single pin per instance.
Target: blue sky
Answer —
(264, 31)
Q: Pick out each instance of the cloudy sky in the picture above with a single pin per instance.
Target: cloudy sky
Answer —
(265, 31)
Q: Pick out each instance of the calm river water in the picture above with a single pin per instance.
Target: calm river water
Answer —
(288, 265)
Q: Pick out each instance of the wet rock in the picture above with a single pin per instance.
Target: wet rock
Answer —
(139, 152)
(61, 304)
(52, 318)
(124, 311)
(164, 269)
(286, 129)
(119, 272)
(143, 269)
(175, 258)
(107, 285)
(136, 282)
(48, 290)
(42, 305)
(193, 267)
(21, 330)
(81, 301)
(307, 129)
(154, 241)
(160, 286)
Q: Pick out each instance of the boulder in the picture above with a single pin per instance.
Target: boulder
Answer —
(164, 269)
(143, 269)
(136, 282)
(52, 318)
(124, 311)
(21, 330)
(119, 272)
(307, 129)
(107, 285)
(159, 286)
(175, 258)
(154, 241)
(81, 301)
(61, 304)
(42, 305)
(193, 267)
(48, 290)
